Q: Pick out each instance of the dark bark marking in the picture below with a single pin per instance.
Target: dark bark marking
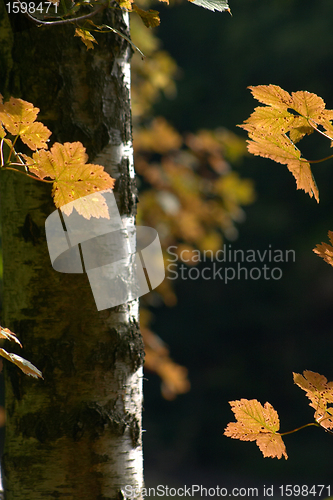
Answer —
(30, 231)
(129, 197)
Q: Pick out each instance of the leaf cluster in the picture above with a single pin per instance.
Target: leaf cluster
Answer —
(275, 128)
(64, 165)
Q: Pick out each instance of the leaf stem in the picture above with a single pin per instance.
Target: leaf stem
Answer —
(299, 428)
(322, 159)
(317, 129)
(64, 21)
(25, 173)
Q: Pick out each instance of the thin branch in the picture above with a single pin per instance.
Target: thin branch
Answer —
(317, 129)
(64, 21)
(28, 175)
(299, 428)
(322, 159)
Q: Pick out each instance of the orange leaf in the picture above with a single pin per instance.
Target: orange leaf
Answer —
(320, 393)
(18, 117)
(257, 423)
(296, 114)
(280, 149)
(5, 333)
(74, 178)
(325, 251)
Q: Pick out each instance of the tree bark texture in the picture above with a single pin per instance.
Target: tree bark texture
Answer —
(77, 433)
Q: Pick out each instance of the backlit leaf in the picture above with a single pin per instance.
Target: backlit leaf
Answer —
(280, 149)
(125, 4)
(257, 423)
(27, 367)
(87, 38)
(275, 128)
(18, 117)
(73, 177)
(325, 251)
(6, 334)
(320, 393)
(219, 5)
(150, 17)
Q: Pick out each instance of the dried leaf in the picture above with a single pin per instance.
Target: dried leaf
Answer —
(74, 178)
(23, 364)
(320, 393)
(18, 117)
(219, 5)
(5, 333)
(87, 38)
(257, 423)
(150, 17)
(325, 251)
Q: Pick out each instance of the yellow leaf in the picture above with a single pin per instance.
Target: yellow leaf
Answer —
(18, 117)
(73, 178)
(325, 251)
(87, 38)
(280, 149)
(2, 132)
(320, 393)
(150, 18)
(27, 367)
(296, 114)
(125, 4)
(272, 95)
(257, 423)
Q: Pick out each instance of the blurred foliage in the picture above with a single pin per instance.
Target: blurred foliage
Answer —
(188, 190)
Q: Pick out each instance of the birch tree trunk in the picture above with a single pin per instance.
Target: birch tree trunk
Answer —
(77, 433)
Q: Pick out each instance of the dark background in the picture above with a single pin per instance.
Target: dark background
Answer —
(244, 339)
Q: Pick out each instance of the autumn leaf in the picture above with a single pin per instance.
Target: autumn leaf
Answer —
(281, 149)
(125, 4)
(150, 17)
(275, 128)
(73, 177)
(18, 117)
(6, 334)
(219, 5)
(87, 38)
(325, 251)
(320, 393)
(24, 365)
(257, 423)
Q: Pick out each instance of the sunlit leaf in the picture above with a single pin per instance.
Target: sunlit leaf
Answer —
(73, 177)
(87, 38)
(6, 334)
(325, 250)
(219, 5)
(18, 117)
(150, 17)
(320, 393)
(27, 367)
(257, 423)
